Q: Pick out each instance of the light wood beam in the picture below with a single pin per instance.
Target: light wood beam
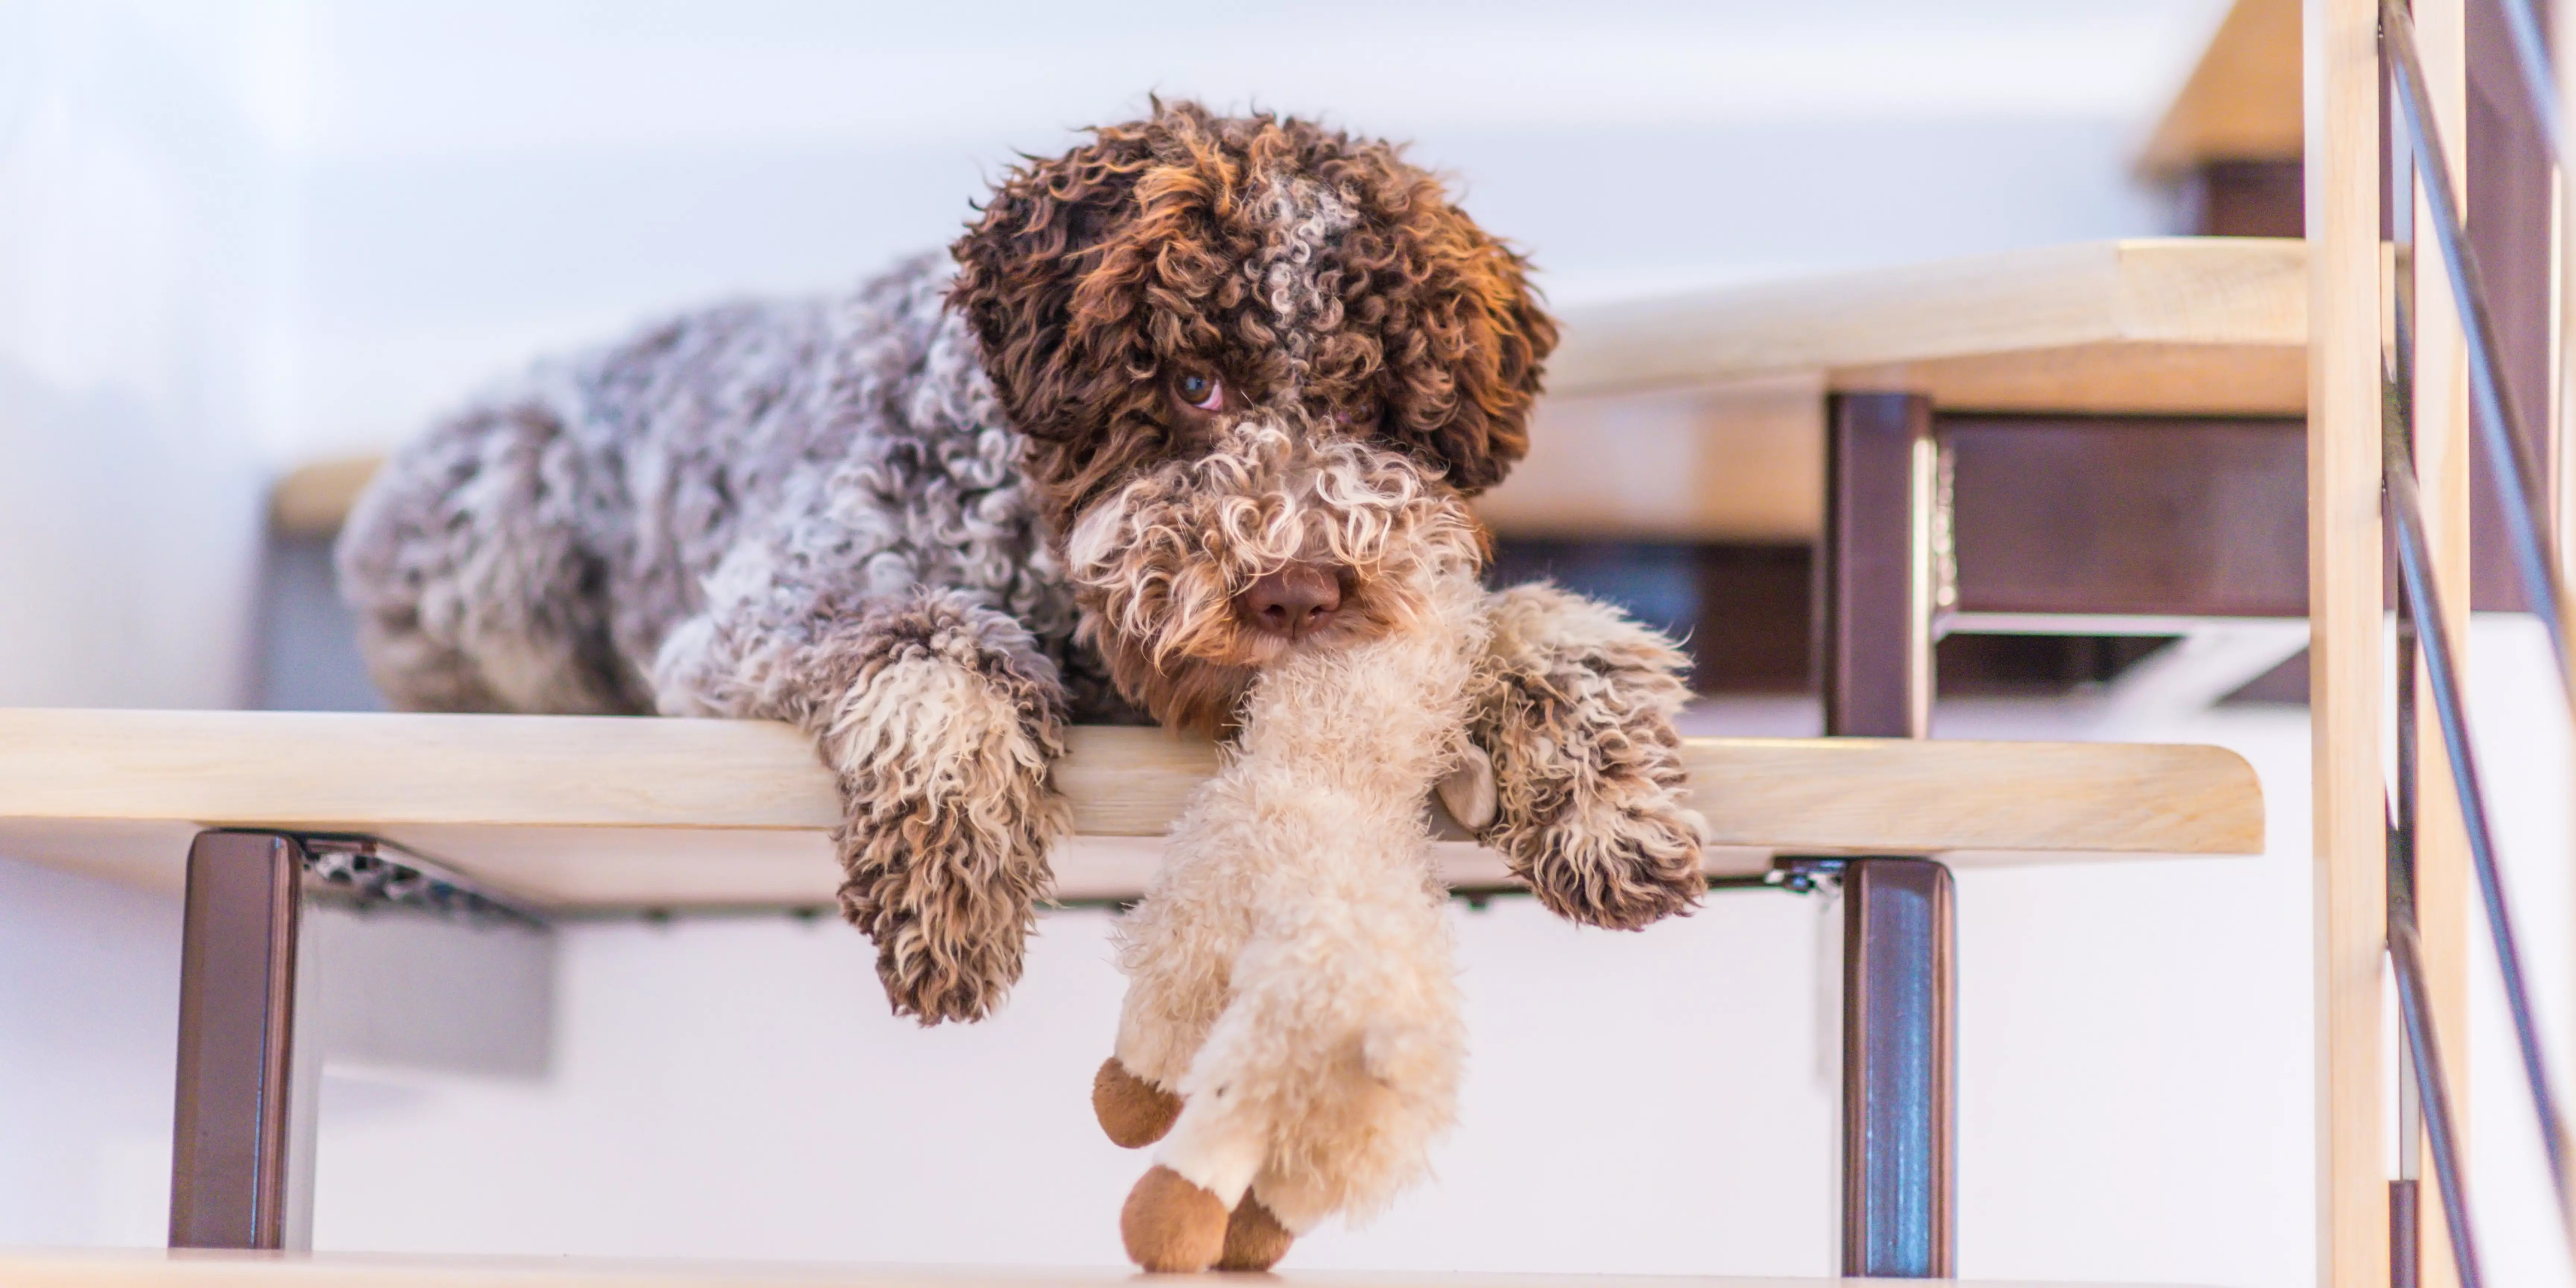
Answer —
(2346, 657)
(2442, 467)
(2242, 101)
(609, 812)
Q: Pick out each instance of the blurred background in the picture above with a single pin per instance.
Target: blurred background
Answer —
(237, 236)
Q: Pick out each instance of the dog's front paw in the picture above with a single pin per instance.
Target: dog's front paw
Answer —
(947, 888)
(1575, 706)
(942, 749)
(1614, 862)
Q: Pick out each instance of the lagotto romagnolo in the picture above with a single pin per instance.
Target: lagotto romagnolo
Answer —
(1183, 427)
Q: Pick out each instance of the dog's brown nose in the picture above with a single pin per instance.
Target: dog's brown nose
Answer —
(1293, 602)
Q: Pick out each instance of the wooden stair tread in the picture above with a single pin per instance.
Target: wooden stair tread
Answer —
(602, 812)
(2172, 325)
(100, 1269)
(2242, 102)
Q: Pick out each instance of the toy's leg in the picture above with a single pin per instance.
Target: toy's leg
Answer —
(1254, 1239)
(1134, 1112)
(1319, 1090)
(1175, 951)
(1176, 1218)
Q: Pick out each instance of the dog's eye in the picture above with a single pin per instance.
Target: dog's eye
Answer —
(1202, 392)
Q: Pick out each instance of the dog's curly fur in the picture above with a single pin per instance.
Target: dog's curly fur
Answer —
(1575, 703)
(990, 493)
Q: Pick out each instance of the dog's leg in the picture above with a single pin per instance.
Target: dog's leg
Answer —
(1575, 705)
(941, 719)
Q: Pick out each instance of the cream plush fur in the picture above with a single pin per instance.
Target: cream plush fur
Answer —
(1290, 971)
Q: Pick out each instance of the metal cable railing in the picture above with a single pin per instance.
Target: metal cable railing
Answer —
(2421, 157)
(2441, 668)
(2415, 1010)
(2499, 422)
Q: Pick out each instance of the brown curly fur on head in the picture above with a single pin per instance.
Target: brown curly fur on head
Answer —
(1315, 285)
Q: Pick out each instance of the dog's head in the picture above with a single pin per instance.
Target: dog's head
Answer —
(1260, 366)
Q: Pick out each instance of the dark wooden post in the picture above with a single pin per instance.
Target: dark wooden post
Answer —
(1879, 572)
(240, 1168)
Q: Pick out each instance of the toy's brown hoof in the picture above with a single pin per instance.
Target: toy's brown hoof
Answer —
(1133, 1111)
(1172, 1226)
(1254, 1239)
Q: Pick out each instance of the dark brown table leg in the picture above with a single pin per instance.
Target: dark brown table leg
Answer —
(1879, 579)
(240, 1169)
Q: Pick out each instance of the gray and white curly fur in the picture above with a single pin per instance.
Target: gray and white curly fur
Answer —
(807, 512)
(852, 514)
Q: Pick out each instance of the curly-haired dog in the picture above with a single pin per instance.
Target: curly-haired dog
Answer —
(1201, 398)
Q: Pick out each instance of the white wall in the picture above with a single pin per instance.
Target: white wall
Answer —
(239, 230)
(137, 301)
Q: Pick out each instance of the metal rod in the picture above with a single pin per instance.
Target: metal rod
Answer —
(1900, 1161)
(234, 1157)
(2405, 1257)
(2499, 424)
(2406, 958)
(2440, 669)
(2397, 398)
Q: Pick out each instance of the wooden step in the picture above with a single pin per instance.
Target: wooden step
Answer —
(2174, 325)
(2243, 100)
(40, 1269)
(578, 813)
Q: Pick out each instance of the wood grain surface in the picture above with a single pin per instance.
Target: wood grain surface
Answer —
(580, 812)
(2242, 101)
(2213, 325)
(2346, 657)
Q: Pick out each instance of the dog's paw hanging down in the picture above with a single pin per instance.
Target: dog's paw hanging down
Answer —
(940, 719)
(1575, 703)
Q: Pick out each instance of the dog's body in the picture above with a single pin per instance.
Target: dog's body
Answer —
(1185, 425)
(541, 551)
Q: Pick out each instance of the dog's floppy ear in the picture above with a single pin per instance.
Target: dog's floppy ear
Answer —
(1019, 264)
(1466, 339)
